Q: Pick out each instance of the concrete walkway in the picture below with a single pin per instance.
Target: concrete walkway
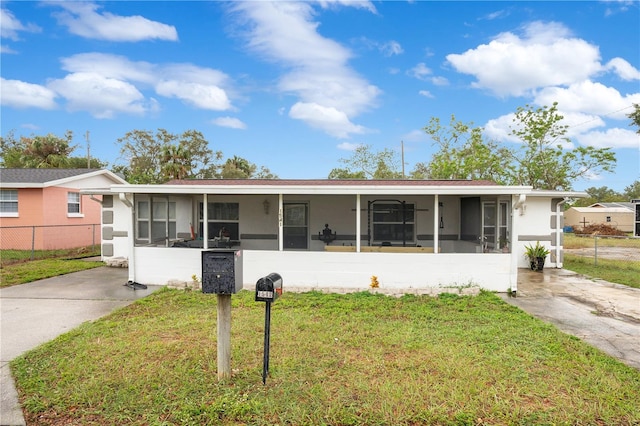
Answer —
(605, 315)
(34, 313)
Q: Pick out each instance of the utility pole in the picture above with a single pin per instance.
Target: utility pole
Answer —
(88, 150)
(402, 150)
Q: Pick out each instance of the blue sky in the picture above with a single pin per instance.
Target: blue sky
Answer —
(295, 86)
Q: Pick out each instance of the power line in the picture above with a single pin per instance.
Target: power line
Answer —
(600, 115)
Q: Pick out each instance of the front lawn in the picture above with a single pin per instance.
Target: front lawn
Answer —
(358, 359)
(25, 272)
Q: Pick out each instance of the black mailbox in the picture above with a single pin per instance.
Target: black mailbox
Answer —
(221, 271)
(269, 288)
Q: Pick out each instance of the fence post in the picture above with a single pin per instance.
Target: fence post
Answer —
(33, 241)
(595, 252)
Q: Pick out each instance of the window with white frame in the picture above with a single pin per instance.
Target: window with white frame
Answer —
(155, 220)
(73, 203)
(9, 202)
(393, 222)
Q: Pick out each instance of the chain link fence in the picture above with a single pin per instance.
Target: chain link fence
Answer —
(21, 243)
(597, 247)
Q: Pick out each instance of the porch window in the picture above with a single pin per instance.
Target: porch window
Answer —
(221, 215)
(9, 203)
(156, 220)
(393, 222)
(73, 203)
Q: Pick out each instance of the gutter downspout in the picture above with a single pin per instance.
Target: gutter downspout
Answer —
(131, 262)
(559, 230)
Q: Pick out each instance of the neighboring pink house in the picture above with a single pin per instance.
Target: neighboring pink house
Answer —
(43, 208)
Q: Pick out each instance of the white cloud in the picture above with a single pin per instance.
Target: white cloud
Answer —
(318, 74)
(199, 95)
(439, 81)
(203, 88)
(102, 97)
(348, 146)
(391, 48)
(426, 94)
(611, 138)
(415, 136)
(10, 25)
(588, 97)
(420, 71)
(231, 122)
(111, 66)
(6, 49)
(18, 94)
(624, 69)
(328, 119)
(83, 19)
(544, 55)
(499, 128)
(353, 3)
(580, 128)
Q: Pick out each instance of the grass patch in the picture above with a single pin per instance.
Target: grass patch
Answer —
(335, 359)
(616, 271)
(20, 273)
(572, 241)
(8, 257)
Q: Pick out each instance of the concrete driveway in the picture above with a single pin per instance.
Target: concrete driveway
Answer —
(34, 313)
(605, 315)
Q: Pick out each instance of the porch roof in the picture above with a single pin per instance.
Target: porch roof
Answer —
(324, 187)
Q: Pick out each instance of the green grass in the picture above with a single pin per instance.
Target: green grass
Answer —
(616, 271)
(358, 359)
(8, 257)
(20, 273)
(572, 241)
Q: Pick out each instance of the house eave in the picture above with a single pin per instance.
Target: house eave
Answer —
(322, 189)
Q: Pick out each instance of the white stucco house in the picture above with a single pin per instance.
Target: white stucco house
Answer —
(410, 234)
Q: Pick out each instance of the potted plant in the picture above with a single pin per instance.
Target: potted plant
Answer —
(536, 255)
(504, 244)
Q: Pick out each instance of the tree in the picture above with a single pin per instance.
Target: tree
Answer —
(543, 161)
(240, 168)
(632, 192)
(156, 158)
(237, 168)
(601, 194)
(635, 117)
(464, 154)
(366, 164)
(175, 162)
(48, 151)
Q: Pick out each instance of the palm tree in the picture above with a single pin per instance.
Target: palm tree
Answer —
(176, 162)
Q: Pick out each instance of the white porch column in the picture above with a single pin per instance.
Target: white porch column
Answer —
(516, 248)
(280, 223)
(358, 223)
(436, 224)
(205, 222)
(131, 230)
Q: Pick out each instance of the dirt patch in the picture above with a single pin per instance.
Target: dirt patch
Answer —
(615, 253)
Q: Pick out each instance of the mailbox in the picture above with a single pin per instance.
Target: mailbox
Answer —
(269, 288)
(221, 271)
